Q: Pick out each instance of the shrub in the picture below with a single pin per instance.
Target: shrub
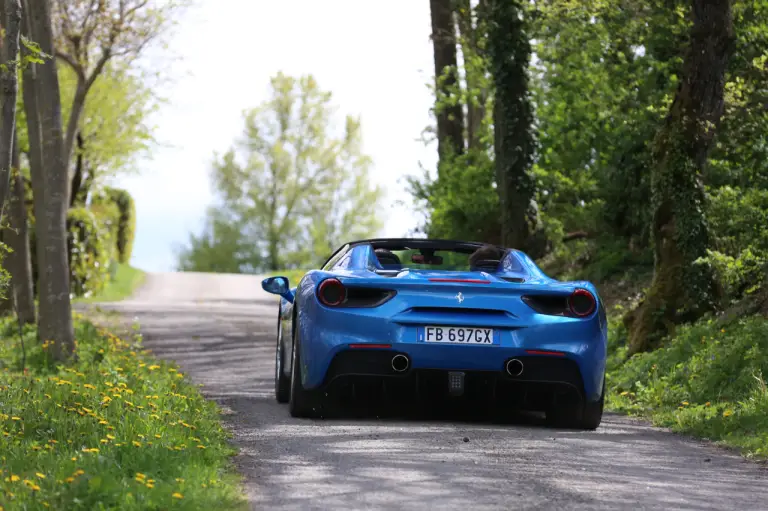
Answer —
(90, 252)
(126, 219)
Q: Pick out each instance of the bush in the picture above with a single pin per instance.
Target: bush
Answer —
(90, 252)
(126, 219)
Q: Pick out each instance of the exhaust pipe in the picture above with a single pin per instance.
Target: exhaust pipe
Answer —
(400, 363)
(514, 367)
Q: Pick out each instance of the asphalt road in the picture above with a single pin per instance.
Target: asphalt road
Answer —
(221, 330)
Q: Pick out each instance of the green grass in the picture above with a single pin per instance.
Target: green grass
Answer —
(125, 281)
(708, 381)
(116, 429)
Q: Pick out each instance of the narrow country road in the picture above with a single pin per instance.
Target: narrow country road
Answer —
(221, 330)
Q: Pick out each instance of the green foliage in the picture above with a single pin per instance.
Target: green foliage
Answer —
(709, 380)
(115, 430)
(290, 191)
(125, 227)
(91, 250)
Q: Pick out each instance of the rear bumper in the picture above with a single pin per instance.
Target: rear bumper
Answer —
(326, 336)
(539, 372)
(544, 379)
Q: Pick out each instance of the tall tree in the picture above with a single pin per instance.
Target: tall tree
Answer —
(50, 185)
(289, 190)
(10, 16)
(510, 52)
(91, 33)
(681, 288)
(16, 235)
(448, 110)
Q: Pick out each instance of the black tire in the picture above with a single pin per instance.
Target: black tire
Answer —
(303, 403)
(282, 382)
(585, 417)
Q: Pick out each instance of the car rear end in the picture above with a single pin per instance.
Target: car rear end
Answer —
(457, 334)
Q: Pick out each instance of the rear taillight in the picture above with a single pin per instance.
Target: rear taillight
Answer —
(582, 303)
(331, 292)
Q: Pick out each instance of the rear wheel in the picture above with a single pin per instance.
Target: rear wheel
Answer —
(282, 382)
(585, 416)
(303, 403)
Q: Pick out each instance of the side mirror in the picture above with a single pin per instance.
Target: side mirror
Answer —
(278, 286)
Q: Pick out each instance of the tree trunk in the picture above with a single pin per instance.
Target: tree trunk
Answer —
(476, 94)
(10, 16)
(76, 196)
(682, 290)
(450, 119)
(51, 189)
(19, 261)
(514, 145)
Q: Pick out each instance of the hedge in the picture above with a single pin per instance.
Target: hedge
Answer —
(90, 245)
(126, 228)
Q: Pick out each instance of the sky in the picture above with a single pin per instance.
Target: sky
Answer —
(375, 57)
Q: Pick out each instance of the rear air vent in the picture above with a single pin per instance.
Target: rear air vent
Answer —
(367, 297)
(516, 280)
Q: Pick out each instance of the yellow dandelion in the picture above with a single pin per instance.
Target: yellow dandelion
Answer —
(74, 458)
(201, 446)
(70, 479)
(79, 472)
(110, 437)
(179, 480)
(727, 413)
(136, 444)
(103, 422)
(685, 403)
(89, 386)
(14, 478)
(158, 436)
(40, 475)
(104, 441)
(15, 418)
(150, 485)
(707, 403)
(177, 496)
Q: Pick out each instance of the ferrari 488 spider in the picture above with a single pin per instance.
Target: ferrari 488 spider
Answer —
(429, 317)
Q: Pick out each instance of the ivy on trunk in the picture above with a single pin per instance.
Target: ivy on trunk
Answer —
(683, 289)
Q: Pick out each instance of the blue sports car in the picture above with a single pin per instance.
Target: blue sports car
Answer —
(446, 319)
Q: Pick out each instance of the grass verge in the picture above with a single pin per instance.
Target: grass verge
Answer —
(115, 429)
(708, 381)
(125, 281)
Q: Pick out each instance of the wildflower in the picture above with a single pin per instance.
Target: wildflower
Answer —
(103, 422)
(158, 436)
(15, 418)
(140, 475)
(150, 485)
(153, 367)
(14, 478)
(79, 472)
(177, 496)
(136, 444)
(89, 386)
(179, 480)
(110, 437)
(201, 446)
(707, 403)
(41, 476)
(727, 413)
(70, 479)
(685, 403)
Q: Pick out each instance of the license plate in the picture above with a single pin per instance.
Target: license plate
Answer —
(458, 335)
